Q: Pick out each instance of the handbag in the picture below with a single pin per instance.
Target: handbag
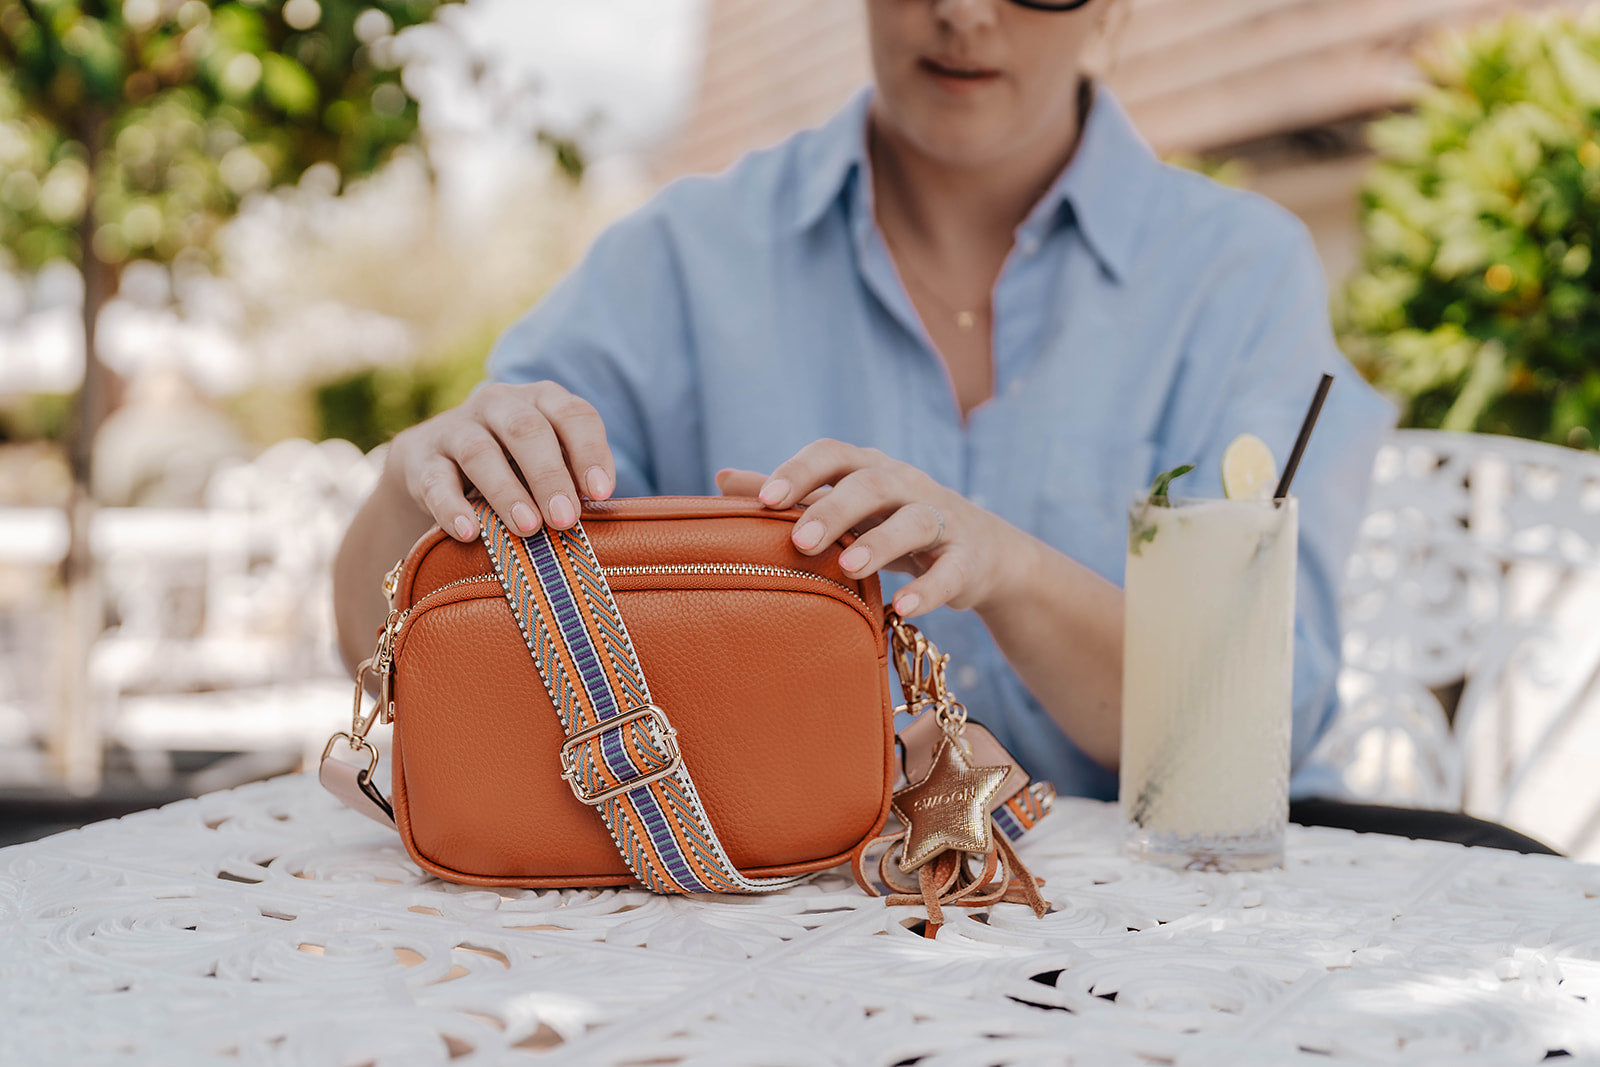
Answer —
(669, 693)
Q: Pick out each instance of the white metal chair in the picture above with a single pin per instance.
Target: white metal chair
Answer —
(248, 661)
(1472, 636)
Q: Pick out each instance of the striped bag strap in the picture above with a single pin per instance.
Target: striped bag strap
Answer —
(621, 753)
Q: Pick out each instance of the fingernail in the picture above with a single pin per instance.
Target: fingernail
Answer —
(523, 516)
(561, 512)
(809, 534)
(599, 484)
(855, 557)
(773, 492)
(907, 605)
(464, 528)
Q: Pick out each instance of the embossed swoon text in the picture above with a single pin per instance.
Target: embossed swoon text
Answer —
(938, 800)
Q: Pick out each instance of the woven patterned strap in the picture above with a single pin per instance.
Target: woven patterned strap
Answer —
(621, 753)
(1023, 811)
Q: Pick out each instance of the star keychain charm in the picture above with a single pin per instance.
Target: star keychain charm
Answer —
(948, 839)
(949, 808)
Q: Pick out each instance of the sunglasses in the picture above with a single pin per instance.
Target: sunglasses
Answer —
(1051, 5)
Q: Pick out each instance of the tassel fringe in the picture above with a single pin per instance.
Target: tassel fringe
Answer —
(949, 880)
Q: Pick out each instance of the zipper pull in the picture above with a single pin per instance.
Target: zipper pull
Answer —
(383, 655)
(383, 664)
(391, 581)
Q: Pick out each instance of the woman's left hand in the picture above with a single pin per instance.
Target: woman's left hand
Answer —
(961, 554)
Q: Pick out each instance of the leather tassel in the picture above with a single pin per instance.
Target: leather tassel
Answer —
(949, 880)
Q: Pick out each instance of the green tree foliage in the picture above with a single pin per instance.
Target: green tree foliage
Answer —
(134, 129)
(370, 406)
(1477, 304)
(155, 118)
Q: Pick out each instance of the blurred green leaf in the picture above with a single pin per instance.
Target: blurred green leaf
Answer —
(371, 406)
(1478, 301)
(288, 85)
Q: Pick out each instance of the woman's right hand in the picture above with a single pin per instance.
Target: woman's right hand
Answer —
(523, 448)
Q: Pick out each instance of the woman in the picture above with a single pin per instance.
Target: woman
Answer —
(979, 309)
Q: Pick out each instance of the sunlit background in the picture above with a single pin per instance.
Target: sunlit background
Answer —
(285, 230)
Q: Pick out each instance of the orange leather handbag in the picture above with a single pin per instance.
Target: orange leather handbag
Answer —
(668, 693)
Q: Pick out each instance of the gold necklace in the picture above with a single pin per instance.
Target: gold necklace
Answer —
(965, 318)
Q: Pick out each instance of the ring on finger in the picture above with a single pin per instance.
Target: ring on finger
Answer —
(938, 537)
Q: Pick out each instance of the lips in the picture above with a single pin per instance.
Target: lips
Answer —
(958, 72)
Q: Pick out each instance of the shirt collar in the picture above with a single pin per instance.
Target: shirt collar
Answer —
(1102, 189)
(828, 158)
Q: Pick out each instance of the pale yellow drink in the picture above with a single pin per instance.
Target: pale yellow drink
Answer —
(1208, 671)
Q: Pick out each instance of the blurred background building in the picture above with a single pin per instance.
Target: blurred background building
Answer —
(297, 227)
(1283, 89)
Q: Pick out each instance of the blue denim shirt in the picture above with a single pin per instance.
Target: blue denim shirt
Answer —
(1144, 316)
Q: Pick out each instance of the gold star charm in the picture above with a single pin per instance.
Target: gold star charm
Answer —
(949, 808)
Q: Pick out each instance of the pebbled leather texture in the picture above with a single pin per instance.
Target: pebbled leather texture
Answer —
(777, 686)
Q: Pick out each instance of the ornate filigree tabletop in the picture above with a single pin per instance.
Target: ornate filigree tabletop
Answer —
(267, 925)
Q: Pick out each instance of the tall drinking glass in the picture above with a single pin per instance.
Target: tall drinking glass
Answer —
(1208, 671)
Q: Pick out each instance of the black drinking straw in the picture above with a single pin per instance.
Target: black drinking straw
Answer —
(1305, 435)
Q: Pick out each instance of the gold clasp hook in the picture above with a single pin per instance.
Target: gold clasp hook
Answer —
(920, 667)
(380, 665)
(361, 721)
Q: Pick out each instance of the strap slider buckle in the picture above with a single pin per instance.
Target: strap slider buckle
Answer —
(668, 737)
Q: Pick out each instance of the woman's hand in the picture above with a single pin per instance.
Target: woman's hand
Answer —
(523, 448)
(961, 554)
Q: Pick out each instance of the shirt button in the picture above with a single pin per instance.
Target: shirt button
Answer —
(1028, 245)
(967, 676)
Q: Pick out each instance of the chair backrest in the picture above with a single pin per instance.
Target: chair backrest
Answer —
(238, 592)
(294, 502)
(1472, 650)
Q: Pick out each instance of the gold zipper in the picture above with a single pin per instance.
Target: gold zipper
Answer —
(639, 570)
(757, 569)
(391, 583)
(468, 580)
(393, 632)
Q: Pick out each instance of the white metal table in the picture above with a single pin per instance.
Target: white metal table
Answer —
(267, 925)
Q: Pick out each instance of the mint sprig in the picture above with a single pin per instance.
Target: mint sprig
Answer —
(1141, 533)
(1158, 488)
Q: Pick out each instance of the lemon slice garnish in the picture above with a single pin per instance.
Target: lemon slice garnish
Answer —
(1248, 469)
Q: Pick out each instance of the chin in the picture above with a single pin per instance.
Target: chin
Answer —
(956, 136)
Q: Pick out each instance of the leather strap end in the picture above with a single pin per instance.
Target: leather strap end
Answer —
(921, 737)
(354, 787)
